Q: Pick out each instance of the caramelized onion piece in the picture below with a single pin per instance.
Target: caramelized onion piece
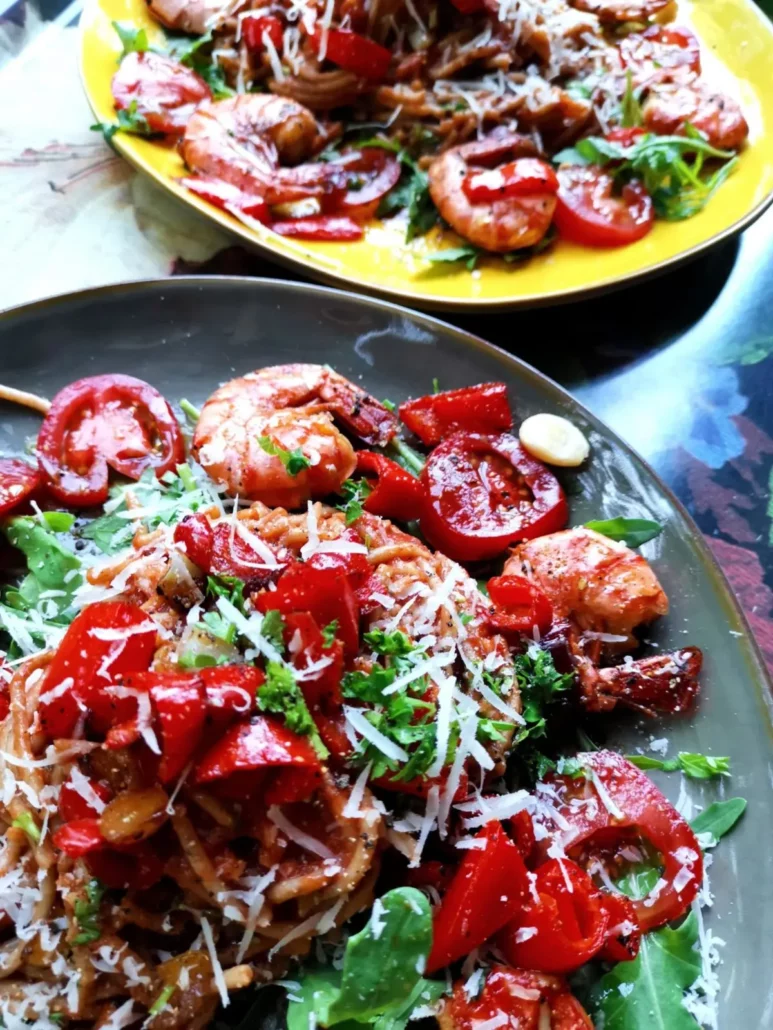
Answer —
(134, 815)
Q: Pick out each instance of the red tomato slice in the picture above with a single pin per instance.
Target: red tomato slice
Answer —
(518, 178)
(226, 196)
(518, 606)
(371, 173)
(330, 228)
(254, 29)
(256, 743)
(353, 52)
(104, 422)
(656, 54)
(166, 92)
(587, 213)
(642, 808)
(524, 997)
(485, 493)
(394, 493)
(18, 481)
(476, 409)
(105, 641)
(571, 921)
(488, 889)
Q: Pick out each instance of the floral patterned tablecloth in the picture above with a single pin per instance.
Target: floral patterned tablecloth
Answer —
(682, 366)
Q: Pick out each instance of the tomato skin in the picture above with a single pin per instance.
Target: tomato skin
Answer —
(477, 409)
(325, 228)
(524, 176)
(73, 806)
(470, 521)
(253, 30)
(519, 606)
(226, 196)
(468, 6)
(137, 868)
(104, 422)
(165, 91)
(291, 785)
(252, 744)
(647, 811)
(354, 52)
(588, 214)
(525, 997)
(571, 926)
(395, 493)
(80, 657)
(18, 481)
(486, 892)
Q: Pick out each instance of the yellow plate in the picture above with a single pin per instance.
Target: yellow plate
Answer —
(737, 53)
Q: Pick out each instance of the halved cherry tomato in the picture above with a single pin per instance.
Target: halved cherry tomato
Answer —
(322, 689)
(230, 692)
(72, 804)
(104, 422)
(105, 641)
(522, 833)
(227, 197)
(166, 92)
(371, 172)
(477, 409)
(518, 178)
(324, 593)
(623, 932)
(197, 540)
(353, 52)
(18, 481)
(330, 228)
(484, 493)
(587, 212)
(524, 997)
(252, 744)
(518, 606)
(660, 51)
(394, 493)
(626, 136)
(488, 889)
(254, 28)
(570, 919)
(79, 837)
(637, 805)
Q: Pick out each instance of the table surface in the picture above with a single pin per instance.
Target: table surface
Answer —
(681, 367)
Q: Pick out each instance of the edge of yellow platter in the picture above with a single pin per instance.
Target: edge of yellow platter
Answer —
(737, 52)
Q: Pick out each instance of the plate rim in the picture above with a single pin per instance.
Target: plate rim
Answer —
(424, 301)
(758, 671)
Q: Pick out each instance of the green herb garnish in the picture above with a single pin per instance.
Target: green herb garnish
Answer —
(294, 461)
(633, 532)
(697, 767)
(281, 695)
(87, 913)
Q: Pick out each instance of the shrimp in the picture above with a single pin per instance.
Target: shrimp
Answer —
(501, 225)
(194, 16)
(621, 10)
(294, 406)
(245, 139)
(669, 108)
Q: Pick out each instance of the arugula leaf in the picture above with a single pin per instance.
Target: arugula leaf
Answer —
(453, 255)
(329, 633)
(697, 767)
(410, 193)
(355, 492)
(272, 629)
(133, 40)
(294, 461)
(229, 587)
(396, 643)
(719, 819)
(281, 695)
(87, 913)
(380, 982)
(632, 532)
(54, 571)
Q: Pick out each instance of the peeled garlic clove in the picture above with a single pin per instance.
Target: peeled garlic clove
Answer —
(554, 440)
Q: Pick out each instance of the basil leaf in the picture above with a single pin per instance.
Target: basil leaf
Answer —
(632, 532)
(649, 991)
(719, 818)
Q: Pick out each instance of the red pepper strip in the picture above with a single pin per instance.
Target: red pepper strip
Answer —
(137, 868)
(79, 837)
(290, 785)
(476, 409)
(519, 606)
(524, 176)
(570, 919)
(625, 136)
(226, 197)
(5, 702)
(322, 228)
(487, 891)
(255, 28)
(395, 493)
(166, 92)
(256, 743)
(623, 932)
(89, 659)
(103, 422)
(196, 539)
(220, 551)
(324, 593)
(73, 806)
(524, 997)
(353, 52)
(642, 807)
(18, 481)
(230, 692)
(356, 568)
(486, 492)
(522, 832)
(179, 704)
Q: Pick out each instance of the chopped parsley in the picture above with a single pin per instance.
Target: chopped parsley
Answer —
(229, 587)
(294, 461)
(329, 633)
(272, 628)
(281, 695)
(87, 913)
(540, 685)
(133, 40)
(394, 644)
(355, 492)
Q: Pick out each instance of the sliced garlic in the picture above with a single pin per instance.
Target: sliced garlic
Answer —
(554, 440)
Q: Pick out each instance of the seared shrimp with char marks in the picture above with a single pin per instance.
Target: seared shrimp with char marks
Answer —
(501, 223)
(194, 16)
(296, 407)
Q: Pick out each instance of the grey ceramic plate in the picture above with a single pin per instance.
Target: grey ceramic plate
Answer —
(187, 335)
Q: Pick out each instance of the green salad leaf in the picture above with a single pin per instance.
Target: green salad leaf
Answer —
(719, 819)
(54, 570)
(696, 766)
(632, 532)
(133, 40)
